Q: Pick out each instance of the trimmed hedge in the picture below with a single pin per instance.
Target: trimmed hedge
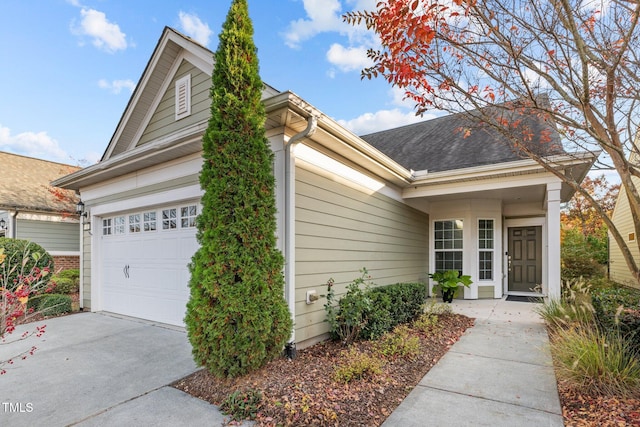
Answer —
(67, 281)
(15, 249)
(392, 305)
(54, 304)
(606, 303)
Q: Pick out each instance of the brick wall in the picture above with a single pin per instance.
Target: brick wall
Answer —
(66, 262)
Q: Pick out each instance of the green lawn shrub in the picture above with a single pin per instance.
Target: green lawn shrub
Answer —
(393, 305)
(618, 309)
(54, 304)
(355, 365)
(368, 312)
(67, 281)
(242, 404)
(399, 342)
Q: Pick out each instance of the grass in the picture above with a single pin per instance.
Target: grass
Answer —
(595, 360)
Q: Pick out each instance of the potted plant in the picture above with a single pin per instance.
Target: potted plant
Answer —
(448, 282)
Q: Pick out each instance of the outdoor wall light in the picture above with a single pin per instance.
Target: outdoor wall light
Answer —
(3, 224)
(80, 209)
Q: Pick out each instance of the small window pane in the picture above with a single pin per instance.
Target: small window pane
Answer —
(188, 216)
(169, 221)
(118, 225)
(106, 227)
(486, 266)
(149, 223)
(134, 223)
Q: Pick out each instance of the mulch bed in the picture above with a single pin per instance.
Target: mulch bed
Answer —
(302, 391)
(584, 410)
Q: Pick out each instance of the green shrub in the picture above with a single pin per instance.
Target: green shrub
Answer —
(426, 323)
(36, 258)
(597, 362)
(368, 312)
(242, 405)
(618, 309)
(583, 256)
(54, 304)
(398, 343)
(65, 286)
(437, 308)
(355, 365)
(393, 305)
(72, 274)
(349, 317)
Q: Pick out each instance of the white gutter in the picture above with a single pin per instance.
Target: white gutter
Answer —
(289, 222)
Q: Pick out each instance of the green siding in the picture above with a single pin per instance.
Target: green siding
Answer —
(485, 292)
(53, 236)
(163, 121)
(340, 230)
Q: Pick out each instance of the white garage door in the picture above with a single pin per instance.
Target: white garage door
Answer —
(144, 262)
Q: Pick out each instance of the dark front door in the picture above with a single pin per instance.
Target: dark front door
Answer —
(525, 259)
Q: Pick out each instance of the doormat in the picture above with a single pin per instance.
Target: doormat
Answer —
(520, 298)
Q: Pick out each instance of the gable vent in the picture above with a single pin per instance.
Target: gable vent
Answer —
(183, 97)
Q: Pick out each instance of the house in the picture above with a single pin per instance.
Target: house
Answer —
(31, 209)
(344, 202)
(623, 220)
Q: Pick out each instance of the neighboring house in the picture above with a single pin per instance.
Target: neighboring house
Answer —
(399, 210)
(621, 217)
(31, 209)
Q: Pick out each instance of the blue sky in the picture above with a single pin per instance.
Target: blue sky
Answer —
(68, 67)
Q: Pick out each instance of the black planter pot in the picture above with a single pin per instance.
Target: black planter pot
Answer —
(447, 295)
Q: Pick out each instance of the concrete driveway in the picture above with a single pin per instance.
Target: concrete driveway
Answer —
(96, 369)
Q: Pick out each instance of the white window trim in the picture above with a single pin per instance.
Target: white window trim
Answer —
(183, 97)
(433, 244)
(493, 250)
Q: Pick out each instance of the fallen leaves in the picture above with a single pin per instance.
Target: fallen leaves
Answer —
(303, 392)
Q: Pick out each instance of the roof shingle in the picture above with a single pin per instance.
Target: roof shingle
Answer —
(25, 185)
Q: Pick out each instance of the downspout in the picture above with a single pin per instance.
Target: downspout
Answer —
(13, 228)
(289, 226)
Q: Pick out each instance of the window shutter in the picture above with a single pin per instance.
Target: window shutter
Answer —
(183, 97)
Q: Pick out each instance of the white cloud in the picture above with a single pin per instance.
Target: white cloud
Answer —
(32, 144)
(105, 35)
(192, 26)
(348, 58)
(326, 16)
(116, 86)
(382, 120)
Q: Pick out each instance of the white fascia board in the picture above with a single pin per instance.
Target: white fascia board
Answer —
(339, 134)
(477, 185)
(192, 134)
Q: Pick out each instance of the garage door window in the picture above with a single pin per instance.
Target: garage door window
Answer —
(119, 225)
(106, 226)
(188, 216)
(149, 221)
(169, 221)
(134, 223)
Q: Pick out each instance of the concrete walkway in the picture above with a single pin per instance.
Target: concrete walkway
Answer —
(498, 374)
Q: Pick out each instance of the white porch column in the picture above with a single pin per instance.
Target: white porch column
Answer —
(553, 240)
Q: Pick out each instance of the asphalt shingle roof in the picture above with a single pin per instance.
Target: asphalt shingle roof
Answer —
(25, 185)
(440, 144)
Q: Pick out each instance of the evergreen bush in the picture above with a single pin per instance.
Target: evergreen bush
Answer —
(54, 304)
(237, 318)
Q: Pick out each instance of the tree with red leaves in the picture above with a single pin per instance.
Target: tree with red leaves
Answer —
(573, 63)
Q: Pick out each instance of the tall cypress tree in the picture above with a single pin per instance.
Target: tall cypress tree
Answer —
(237, 318)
